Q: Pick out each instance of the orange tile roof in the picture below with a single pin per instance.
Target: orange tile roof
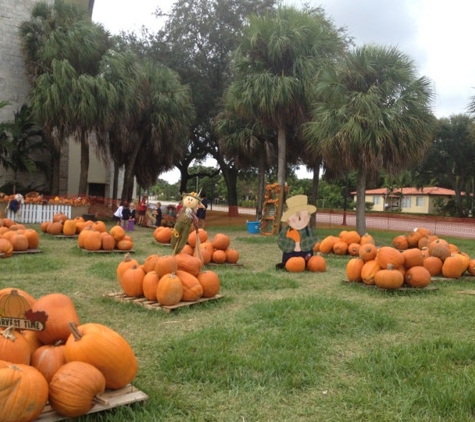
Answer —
(432, 190)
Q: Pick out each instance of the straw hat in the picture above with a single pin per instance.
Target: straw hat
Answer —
(297, 203)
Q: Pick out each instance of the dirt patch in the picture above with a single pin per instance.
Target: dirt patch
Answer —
(221, 218)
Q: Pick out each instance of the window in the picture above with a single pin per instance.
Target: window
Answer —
(406, 202)
(376, 200)
(419, 201)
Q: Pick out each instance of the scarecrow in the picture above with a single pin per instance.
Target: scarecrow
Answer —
(296, 239)
(187, 217)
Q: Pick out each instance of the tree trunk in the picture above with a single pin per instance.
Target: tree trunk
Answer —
(55, 165)
(83, 176)
(261, 186)
(360, 202)
(128, 188)
(281, 165)
(115, 182)
(315, 184)
(231, 184)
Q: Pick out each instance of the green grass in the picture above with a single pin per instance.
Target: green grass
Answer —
(277, 346)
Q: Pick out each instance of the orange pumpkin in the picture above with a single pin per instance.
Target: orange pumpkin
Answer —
(55, 228)
(453, 267)
(413, 257)
(61, 311)
(388, 255)
(353, 269)
(316, 263)
(14, 347)
(163, 234)
(117, 232)
(169, 290)
(73, 388)
(202, 235)
(295, 264)
(400, 242)
(210, 283)
(433, 264)
(189, 263)
(21, 384)
(349, 236)
(48, 359)
(132, 281)
(192, 288)
(232, 256)
(107, 242)
(368, 252)
(417, 276)
(105, 349)
(150, 262)
(6, 248)
(93, 240)
(219, 256)
(440, 248)
(125, 245)
(368, 271)
(19, 242)
(33, 238)
(340, 248)
(326, 245)
(221, 241)
(124, 265)
(367, 239)
(69, 227)
(354, 249)
(389, 278)
(150, 284)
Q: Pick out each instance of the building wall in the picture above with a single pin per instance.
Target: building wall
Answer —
(14, 88)
(409, 203)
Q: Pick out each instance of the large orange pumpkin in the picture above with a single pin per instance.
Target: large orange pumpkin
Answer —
(326, 245)
(368, 252)
(150, 284)
(124, 265)
(105, 349)
(221, 241)
(317, 263)
(388, 255)
(48, 359)
(210, 283)
(232, 256)
(295, 264)
(69, 227)
(413, 257)
(14, 347)
(389, 278)
(353, 269)
(60, 310)
(132, 281)
(73, 388)
(453, 267)
(192, 289)
(189, 263)
(24, 392)
(417, 276)
(369, 270)
(163, 234)
(433, 264)
(6, 248)
(349, 236)
(169, 290)
(202, 235)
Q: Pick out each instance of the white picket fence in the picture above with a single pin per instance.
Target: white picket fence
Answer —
(34, 213)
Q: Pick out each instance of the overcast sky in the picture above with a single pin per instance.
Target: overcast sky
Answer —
(436, 34)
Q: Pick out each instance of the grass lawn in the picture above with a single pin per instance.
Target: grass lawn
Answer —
(277, 346)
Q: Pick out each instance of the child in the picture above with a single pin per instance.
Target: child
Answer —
(158, 215)
(118, 214)
(142, 211)
(126, 216)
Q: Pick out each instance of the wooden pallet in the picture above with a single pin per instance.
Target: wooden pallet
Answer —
(150, 304)
(63, 236)
(225, 264)
(27, 251)
(401, 289)
(112, 251)
(108, 400)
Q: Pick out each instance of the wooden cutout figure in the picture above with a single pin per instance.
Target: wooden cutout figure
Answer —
(297, 239)
(184, 220)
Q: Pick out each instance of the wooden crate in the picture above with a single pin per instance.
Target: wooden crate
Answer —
(149, 304)
(108, 400)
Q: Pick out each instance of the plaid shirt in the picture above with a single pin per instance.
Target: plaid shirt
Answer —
(287, 244)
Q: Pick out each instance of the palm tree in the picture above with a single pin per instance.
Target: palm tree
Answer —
(373, 115)
(276, 66)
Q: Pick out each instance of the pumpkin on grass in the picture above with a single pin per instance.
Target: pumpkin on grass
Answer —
(169, 290)
(221, 241)
(295, 264)
(417, 276)
(389, 278)
(353, 269)
(317, 263)
(124, 265)
(132, 281)
(150, 284)
(210, 283)
(23, 392)
(105, 349)
(74, 387)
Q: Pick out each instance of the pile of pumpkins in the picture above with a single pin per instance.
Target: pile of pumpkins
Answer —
(217, 250)
(16, 237)
(68, 364)
(97, 238)
(167, 279)
(62, 225)
(412, 260)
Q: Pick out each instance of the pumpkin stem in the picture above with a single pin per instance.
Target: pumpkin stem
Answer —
(8, 333)
(74, 330)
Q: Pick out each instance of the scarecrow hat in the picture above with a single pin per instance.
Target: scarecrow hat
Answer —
(193, 195)
(297, 203)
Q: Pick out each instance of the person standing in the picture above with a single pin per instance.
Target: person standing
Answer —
(158, 215)
(142, 210)
(126, 216)
(201, 211)
(118, 214)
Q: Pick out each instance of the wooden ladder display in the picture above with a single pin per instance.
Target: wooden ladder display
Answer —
(271, 209)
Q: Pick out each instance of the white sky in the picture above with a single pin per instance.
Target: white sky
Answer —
(436, 34)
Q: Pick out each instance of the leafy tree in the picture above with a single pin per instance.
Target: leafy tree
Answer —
(450, 160)
(276, 66)
(373, 114)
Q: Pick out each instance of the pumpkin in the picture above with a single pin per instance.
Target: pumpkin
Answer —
(150, 284)
(59, 217)
(471, 267)
(367, 239)
(349, 236)
(413, 257)
(232, 256)
(19, 242)
(417, 276)
(295, 264)
(423, 231)
(163, 234)
(219, 256)
(354, 249)
(93, 240)
(132, 281)
(202, 235)
(400, 242)
(99, 226)
(105, 349)
(388, 255)
(368, 252)
(24, 392)
(316, 263)
(48, 359)
(150, 262)
(33, 238)
(326, 245)
(210, 283)
(453, 267)
(32, 340)
(353, 269)
(73, 388)
(107, 242)
(61, 311)
(440, 248)
(14, 347)
(169, 290)
(192, 289)
(189, 263)
(413, 239)
(125, 245)
(124, 265)
(389, 278)
(205, 255)
(44, 226)
(6, 248)
(340, 247)
(368, 271)
(433, 264)
(221, 241)
(55, 228)
(187, 249)
(117, 232)
(165, 264)
(69, 227)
